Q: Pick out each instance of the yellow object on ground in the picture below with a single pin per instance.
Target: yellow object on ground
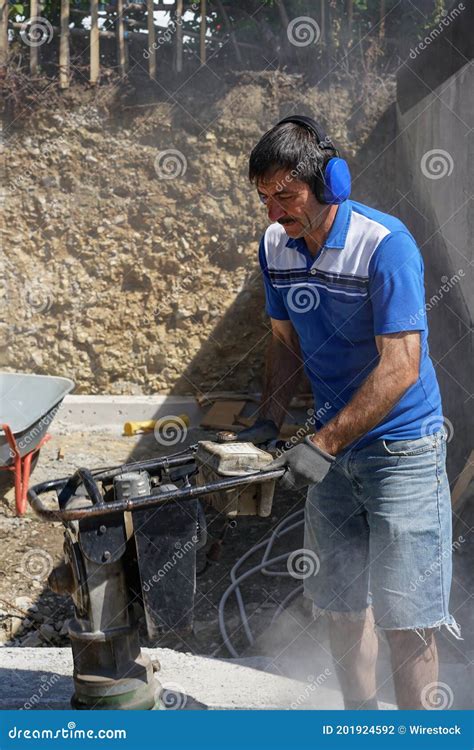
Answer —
(149, 425)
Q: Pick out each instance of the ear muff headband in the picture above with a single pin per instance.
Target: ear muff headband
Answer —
(324, 141)
(334, 185)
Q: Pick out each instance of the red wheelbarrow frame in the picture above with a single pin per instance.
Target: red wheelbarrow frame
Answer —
(21, 467)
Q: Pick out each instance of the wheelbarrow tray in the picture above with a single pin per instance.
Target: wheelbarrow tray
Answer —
(28, 404)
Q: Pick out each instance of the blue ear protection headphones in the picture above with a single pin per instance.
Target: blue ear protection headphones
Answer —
(333, 185)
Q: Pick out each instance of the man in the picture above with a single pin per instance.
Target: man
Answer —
(345, 295)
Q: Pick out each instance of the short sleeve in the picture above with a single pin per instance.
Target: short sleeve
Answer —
(396, 285)
(274, 307)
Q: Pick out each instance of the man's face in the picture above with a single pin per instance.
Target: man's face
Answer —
(291, 203)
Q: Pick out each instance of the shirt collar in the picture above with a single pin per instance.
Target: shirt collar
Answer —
(337, 234)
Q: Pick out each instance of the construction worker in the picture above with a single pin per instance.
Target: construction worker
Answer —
(345, 295)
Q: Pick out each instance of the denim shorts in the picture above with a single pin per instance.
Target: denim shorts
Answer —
(380, 525)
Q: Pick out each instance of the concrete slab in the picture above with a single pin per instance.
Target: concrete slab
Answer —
(108, 413)
(41, 678)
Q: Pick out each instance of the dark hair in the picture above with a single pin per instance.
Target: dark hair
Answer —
(292, 147)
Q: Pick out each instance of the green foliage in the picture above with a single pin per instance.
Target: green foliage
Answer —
(438, 13)
(16, 10)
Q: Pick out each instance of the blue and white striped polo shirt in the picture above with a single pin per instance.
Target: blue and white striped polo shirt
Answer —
(367, 280)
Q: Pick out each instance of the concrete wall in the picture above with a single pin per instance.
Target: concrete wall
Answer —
(434, 148)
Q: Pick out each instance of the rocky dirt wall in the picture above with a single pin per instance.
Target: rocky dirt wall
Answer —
(130, 260)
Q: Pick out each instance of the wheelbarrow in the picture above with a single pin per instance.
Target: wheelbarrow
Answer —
(28, 404)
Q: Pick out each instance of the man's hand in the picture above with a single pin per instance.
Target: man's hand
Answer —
(305, 464)
(262, 431)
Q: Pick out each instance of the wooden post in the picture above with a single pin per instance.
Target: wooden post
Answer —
(460, 496)
(202, 35)
(329, 28)
(64, 46)
(179, 36)
(382, 19)
(350, 15)
(120, 34)
(462, 483)
(291, 50)
(323, 21)
(33, 50)
(283, 14)
(94, 43)
(230, 31)
(3, 33)
(151, 40)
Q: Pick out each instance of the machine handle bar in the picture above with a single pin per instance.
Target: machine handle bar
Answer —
(147, 501)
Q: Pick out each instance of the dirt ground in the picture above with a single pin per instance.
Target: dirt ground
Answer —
(31, 615)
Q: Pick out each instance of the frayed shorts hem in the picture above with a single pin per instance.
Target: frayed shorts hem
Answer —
(357, 616)
(450, 624)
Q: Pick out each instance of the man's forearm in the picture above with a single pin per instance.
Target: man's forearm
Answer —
(375, 398)
(283, 372)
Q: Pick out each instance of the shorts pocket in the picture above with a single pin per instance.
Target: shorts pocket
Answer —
(411, 447)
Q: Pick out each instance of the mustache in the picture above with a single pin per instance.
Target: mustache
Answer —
(286, 220)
